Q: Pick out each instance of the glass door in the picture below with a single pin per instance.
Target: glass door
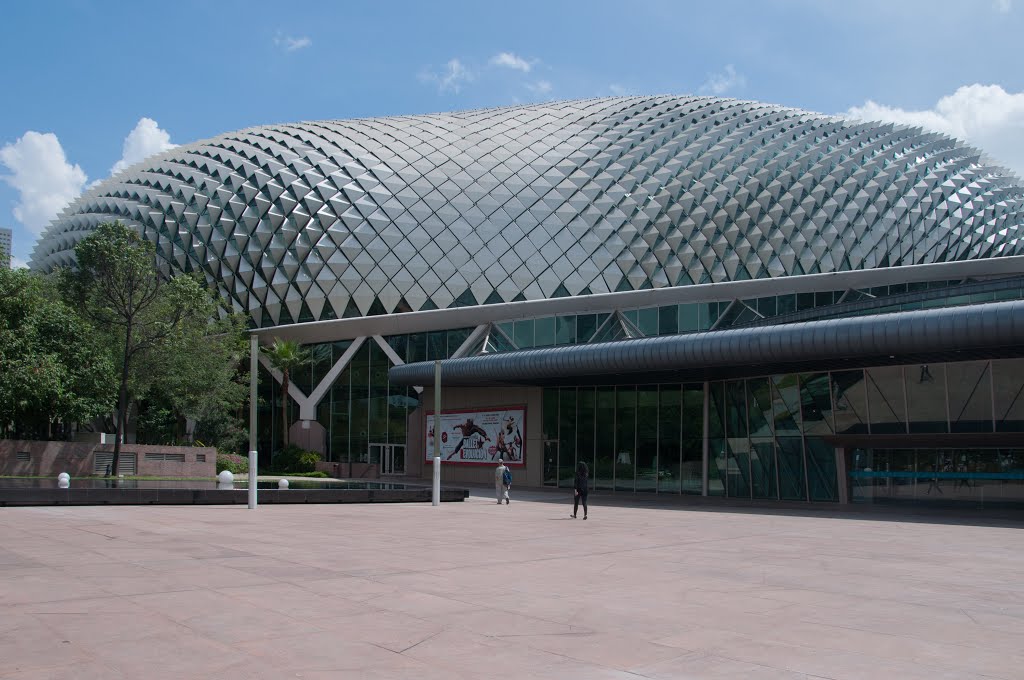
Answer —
(392, 458)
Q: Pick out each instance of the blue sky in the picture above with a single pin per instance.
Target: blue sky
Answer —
(91, 83)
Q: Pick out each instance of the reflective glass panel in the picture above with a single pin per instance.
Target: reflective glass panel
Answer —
(692, 463)
(885, 400)
(417, 348)
(586, 404)
(566, 436)
(926, 397)
(544, 332)
(821, 470)
(669, 436)
(647, 438)
(565, 330)
(759, 407)
(688, 318)
(970, 396)
(437, 345)
(718, 467)
(359, 439)
(668, 320)
(550, 434)
(586, 324)
(738, 467)
(625, 438)
(647, 321)
(717, 410)
(849, 396)
(1008, 379)
(736, 409)
(786, 400)
(693, 410)
(456, 337)
(378, 405)
(816, 403)
(604, 468)
(762, 468)
(792, 484)
(523, 333)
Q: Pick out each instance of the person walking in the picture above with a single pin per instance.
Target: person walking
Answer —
(580, 489)
(502, 481)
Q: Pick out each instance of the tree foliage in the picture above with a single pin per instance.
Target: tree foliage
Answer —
(53, 367)
(146, 317)
(199, 374)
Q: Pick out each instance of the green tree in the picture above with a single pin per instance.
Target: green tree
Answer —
(54, 367)
(118, 287)
(199, 374)
(285, 355)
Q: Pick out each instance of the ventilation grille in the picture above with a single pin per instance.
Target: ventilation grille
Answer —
(166, 457)
(126, 463)
(23, 456)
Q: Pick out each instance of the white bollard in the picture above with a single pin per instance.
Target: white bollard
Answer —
(282, 484)
(253, 467)
(63, 480)
(436, 496)
(225, 480)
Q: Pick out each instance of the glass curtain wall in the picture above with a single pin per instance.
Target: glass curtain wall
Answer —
(634, 438)
(766, 435)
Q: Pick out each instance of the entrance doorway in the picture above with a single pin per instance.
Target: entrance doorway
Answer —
(390, 457)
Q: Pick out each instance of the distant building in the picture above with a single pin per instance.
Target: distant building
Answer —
(6, 240)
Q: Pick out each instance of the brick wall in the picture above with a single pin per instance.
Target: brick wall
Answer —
(78, 459)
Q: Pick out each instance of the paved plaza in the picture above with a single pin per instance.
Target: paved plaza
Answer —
(474, 590)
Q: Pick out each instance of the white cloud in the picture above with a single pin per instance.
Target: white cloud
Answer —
(451, 79)
(44, 179)
(987, 116)
(291, 44)
(18, 263)
(720, 83)
(1003, 6)
(617, 90)
(540, 87)
(509, 60)
(145, 140)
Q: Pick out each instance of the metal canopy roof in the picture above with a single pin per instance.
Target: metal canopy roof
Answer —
(945, 334)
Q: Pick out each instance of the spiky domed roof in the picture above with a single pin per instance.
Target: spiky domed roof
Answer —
(326, 219)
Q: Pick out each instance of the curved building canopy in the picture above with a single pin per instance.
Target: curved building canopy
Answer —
(953, 333)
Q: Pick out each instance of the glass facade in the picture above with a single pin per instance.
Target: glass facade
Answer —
(362, 407)
(771, 437)
(948, 476)
(698, 317)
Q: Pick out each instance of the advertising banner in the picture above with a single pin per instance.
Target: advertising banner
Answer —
(480, 436)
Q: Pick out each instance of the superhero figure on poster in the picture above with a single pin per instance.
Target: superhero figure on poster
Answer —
(468, 428)
(513, 450)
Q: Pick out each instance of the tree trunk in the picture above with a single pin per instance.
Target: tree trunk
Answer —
(284, 406)
(122, 402)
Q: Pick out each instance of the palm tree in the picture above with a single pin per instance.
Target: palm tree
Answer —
(284, 355)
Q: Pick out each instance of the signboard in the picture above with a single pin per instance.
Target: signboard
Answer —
(480, 436)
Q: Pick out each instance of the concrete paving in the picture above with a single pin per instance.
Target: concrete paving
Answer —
(474, 590)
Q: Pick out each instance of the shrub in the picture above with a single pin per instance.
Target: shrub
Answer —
(294, 459)
(233, 463)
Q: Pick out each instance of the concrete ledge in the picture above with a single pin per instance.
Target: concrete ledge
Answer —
(28, 497)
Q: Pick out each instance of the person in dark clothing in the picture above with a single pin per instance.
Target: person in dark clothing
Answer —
(580, 489)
